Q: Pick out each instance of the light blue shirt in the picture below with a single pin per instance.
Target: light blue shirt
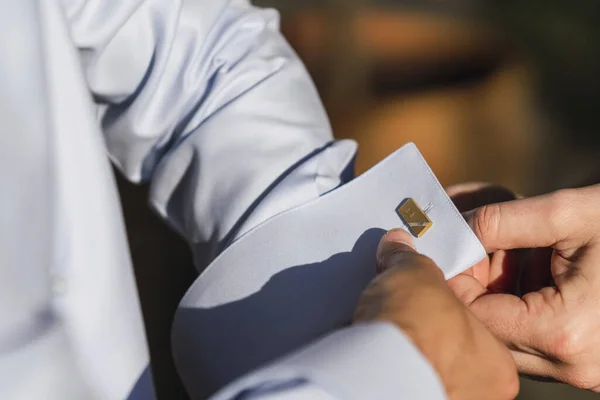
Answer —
(207, 101)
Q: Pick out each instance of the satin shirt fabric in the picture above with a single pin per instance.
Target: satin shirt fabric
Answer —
(204, 99)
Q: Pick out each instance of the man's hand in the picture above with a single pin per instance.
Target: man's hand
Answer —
(499, 272)
(553, 330)
(411, 292)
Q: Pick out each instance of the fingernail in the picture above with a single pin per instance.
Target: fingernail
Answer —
(389, 245)
(400, 235)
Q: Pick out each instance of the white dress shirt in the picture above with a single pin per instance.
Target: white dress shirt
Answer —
(204, 99)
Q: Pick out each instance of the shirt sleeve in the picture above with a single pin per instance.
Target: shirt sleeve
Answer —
(367, 361)
(208, 102)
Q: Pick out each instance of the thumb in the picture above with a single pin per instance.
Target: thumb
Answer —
(525, 223)
(467, 288)
(393, 247)
(396, 254)
(505, 315)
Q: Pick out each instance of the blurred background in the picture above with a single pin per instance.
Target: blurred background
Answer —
(504, 91)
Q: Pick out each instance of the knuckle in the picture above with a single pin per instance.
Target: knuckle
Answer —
(562, 207)
(568, 344)
(565, 196)
(486, 221)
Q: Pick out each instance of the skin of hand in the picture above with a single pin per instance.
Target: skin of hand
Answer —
(500, 271)
(553, 327)
(410, 291)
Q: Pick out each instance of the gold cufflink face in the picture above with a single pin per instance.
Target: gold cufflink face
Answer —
(414, 217)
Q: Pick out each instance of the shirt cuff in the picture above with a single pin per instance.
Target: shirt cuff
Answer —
(365, 361)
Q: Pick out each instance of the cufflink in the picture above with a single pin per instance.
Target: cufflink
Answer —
(414, 217)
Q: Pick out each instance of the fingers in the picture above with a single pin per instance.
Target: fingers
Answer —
(506, 316)
(467, 288)
(396, 249)
(498, 273)
(393, 244)
(526, 326)
(526, 223)
(535, 366)
(513, 322)
(397, 293)
(467, 196)
(504, 271)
